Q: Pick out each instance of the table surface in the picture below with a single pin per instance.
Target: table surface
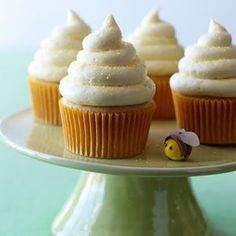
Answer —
(32, 192)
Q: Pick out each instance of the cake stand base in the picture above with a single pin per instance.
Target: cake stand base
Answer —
(105, 205)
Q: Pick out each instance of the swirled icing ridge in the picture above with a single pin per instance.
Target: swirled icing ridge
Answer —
(208, 67)
(51, 61)
(156, 44)
(107, 71)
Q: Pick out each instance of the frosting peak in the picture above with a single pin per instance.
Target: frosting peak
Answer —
(216, 27)
(110, 22)
(217, 36)
(72, 17)
(51, 61)
(151, 18)
(208, 67)
(107, 72)
(106, 38)
(156, 44)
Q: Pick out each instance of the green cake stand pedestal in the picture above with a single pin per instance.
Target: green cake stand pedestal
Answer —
(147, 195)
(130, 205)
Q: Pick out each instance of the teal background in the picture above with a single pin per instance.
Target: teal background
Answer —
(32, 192)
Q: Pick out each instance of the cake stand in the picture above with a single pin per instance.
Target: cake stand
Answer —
(147, 195)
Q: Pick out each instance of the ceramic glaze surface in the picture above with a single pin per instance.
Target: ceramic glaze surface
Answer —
(105, 205)
(46, 143)
(126, 204)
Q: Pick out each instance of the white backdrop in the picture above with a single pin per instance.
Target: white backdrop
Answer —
(23, 23)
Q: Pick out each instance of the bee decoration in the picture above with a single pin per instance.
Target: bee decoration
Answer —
(179, 143)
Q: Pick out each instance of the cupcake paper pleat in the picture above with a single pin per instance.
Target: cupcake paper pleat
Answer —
(45, 97)
(213, 119)
(163, 99)
(106, 134)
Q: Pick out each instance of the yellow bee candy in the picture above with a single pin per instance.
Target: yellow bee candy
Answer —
(172, 150)
(178, 144)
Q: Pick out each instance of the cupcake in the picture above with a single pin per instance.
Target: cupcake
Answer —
(50, 65)
(204, 90)
(156, 44)
(106, 104)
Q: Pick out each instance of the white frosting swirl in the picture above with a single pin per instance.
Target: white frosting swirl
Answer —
(156, 44)
(107, 72)
(209, 67)
(51, 61)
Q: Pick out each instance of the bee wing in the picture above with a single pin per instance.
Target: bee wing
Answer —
(177, 132)
(189, 138)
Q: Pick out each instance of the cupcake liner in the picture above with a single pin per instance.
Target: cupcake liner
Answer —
(163, 98)
(45, 97)
(212, 118)
(112, 132)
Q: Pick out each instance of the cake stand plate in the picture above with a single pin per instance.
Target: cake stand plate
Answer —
(130, 197)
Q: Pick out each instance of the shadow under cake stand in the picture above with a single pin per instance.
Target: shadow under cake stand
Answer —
(147, 195)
